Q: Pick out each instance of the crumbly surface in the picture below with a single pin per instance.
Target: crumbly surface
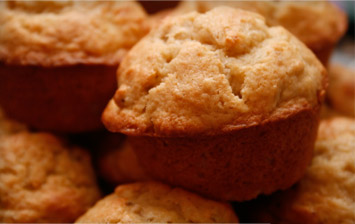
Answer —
(310, 21)
(8, 126)
(151, 202)
(43, 180)
(52, 33)
(213, 72)
(327, 192)
(120, 165)
(341, 90)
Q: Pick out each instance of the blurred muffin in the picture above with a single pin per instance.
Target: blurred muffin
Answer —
(151, 202)
(341, 90)
(319, 24)
(44, 180)
(118, 163)
(218, 103)
(327, 192)
(58, 59)
(8, 126)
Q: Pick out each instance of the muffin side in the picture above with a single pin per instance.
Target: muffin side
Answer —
(211, 73)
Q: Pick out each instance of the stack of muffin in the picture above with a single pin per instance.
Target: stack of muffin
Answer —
(218, 102)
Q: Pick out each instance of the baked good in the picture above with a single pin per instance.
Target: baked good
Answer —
(341, 90)
(8, 126)
(153, 202)
(58, 59)
(44, 180)
(310, 21)
(219, 102)
(326, 193)
(118, 163)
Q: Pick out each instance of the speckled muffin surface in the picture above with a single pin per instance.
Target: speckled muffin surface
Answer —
(211, 73)
(43, 180)
(341, 90)
(54, 33)
(152, 202)
(326, 194)
(307, 20)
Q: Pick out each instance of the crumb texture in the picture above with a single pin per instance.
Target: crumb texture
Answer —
(52, 33)
(307, 20)
(42, 180)
(151, 202)
(198, 73)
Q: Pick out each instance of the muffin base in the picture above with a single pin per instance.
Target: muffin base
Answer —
(238, 165)
(62, 99)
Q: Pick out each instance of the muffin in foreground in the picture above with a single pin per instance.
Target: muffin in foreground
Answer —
(327, 192)
(310, 21)
(341, 90)
(44, 180)
(58, 59)
(219, 102)
(152, 202)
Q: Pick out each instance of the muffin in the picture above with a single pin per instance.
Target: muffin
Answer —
(341, 90)
(118, 164)
(310, 21)
(152, 202)
(219, 102)
(327, 192)
(58, 59)
(44, 180)
(8, 126)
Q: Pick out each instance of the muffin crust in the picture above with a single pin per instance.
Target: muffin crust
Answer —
(210, 73)
(54, 33)
(152, 202)
(43, 180)
(310, 21)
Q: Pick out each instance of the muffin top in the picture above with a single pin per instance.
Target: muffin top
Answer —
(310, 21)
(210, 73)
(326, 194)
(44, 180)
(54, 33)
(151, 202)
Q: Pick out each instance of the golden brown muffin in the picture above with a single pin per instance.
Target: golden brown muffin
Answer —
(327, 192)
(319, 24)
(44, 180)
(341, 90)
(58, 59)
(152, 202)
(119, 164)
(8, 126)
(219, 102)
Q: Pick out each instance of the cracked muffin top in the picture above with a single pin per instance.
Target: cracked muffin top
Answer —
(152, 202)
(44, 180)
(213, 72)
(310, 21)
(53, 33)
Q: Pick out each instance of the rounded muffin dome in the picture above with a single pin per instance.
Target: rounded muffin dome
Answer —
(55, 33)
(210, 73)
